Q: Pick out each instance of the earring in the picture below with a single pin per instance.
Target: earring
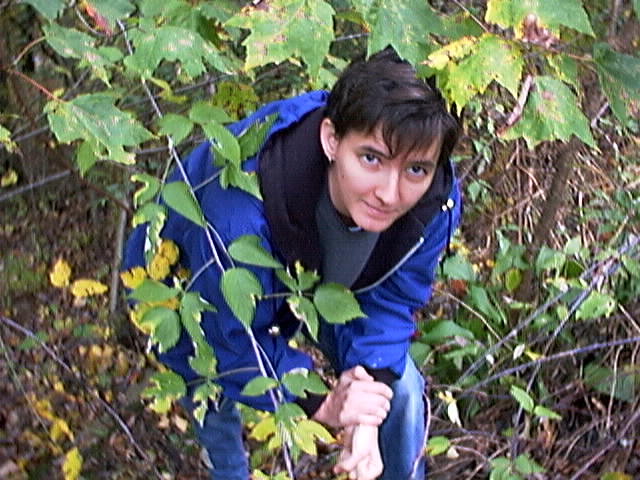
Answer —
(332, 160)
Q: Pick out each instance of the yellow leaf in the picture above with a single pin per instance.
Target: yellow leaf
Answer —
(159, 268)
(169, 250)
(9, 178)
(86, 288)
(60, 274)
(44, 409)
(457, 49)
(72, 464)
(59, 429)
(133, 278)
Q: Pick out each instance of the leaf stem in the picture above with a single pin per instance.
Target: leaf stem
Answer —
(30, 80)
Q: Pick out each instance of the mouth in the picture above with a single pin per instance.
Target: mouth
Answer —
(379, 212)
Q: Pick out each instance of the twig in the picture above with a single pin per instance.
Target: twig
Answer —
(78, 377)
(30, 80)
(522, 100)
(470, 13)
(32, 186)
(26, 49)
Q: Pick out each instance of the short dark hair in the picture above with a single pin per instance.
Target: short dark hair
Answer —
(385, 91)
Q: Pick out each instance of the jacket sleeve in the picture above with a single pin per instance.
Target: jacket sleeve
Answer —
(380, 341)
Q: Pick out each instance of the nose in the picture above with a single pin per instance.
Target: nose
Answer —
(388, 188)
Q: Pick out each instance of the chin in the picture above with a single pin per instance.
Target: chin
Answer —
(371, 225)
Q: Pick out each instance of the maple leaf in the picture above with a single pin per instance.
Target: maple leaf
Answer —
(287, 28)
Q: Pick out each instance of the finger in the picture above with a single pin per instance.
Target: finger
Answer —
(350, 462)
(372, 387)
(360, 373)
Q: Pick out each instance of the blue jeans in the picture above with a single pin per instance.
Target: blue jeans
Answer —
(401, 436)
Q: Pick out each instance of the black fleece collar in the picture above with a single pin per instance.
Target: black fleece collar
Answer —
(292, 168)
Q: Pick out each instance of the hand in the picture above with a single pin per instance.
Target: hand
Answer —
(356, 400)
(361, 457)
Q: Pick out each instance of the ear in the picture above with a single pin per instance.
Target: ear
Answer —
(328, 138)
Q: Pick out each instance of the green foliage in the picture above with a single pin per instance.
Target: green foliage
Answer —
(247, 249)
(167, 388)
(50, 9)
(552, 112)
(241, 289)
(336, 304)
(286, 29)
(179, 196)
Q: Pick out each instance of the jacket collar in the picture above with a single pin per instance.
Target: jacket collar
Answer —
(292, 168)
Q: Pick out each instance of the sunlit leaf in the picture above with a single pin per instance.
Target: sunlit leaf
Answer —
(178, 127)
(489, 59)
(285, 29)
(305, 434)
(60, 429)
(177, 44)
(551, 113)
(618, 74)
(540, 411)
(206, 392)
(72, 464)
(248, 249)
(165, 389)
(523, 398)
(60, 274)
(94, 118)
(438, 445)
(264, 429)
(180, 197)
(5, 139)
(146, 193)
(511, 13)
(597, 305)
(191, 307)
(241, 288)
(304, 310)
(336, 303)
(259, 386)
(85, 287)
(72, 43)
(403, 24)
(153, 291)
(50, 9)
(299, 383)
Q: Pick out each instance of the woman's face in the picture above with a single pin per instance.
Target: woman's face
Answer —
(368, 186)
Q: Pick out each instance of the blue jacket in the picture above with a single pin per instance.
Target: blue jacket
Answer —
(396, 281)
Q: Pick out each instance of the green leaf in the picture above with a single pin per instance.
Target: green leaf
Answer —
(336, 304)
(541, 411)
(223, 141)
(71, 43)
(165, 327)
(303, 309)
(442, 330)
(5, 139)
(264, 429)
(241, 288)
(156, 215)
(86, 156)
(523, 398)
(548, 259)
(259, 386)
(511, 13)
(403, 24)
(203, 113)
(248, 249)
(623, 384)
(153, 291)
(287, 28)
(552, 112)
(512, 279)
(167, 387)
(113, 10)
(419, 352)
(191, 307)
(565, 68)
(178, 127)
(254, 137)
(438, 445)
(526, 465)
(305, 434)
(287, 413)
(458, 267)
(201, 396)
(636, 6)
(483, 302)
(94, 118)
(50, 9)
(299, 383)
(597, 305)
(490, 58)
(148, 191)
(177, 44)
(618, 74)
(233, 175)
(179, 197)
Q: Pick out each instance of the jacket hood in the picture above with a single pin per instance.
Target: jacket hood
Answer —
(292, 168)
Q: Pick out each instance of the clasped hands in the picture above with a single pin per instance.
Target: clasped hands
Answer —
(357, 404)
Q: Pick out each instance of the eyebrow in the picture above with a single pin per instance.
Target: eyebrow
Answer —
(384, 155)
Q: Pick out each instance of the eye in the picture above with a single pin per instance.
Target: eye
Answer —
(370, 159)
(417, 171)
